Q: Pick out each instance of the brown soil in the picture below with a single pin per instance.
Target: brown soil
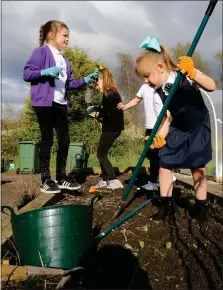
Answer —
(144, 254)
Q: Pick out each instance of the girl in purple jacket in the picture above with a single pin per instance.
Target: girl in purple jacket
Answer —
(51, 77)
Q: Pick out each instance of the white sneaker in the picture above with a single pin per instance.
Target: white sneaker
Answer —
(101, 184)
(114, 184)
(150, 186)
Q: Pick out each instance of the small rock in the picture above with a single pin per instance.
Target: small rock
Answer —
(145, 228)
(127, 246)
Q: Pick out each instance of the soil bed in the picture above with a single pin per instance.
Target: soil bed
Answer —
(175, 254)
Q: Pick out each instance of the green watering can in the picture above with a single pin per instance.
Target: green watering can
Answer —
(55, 236)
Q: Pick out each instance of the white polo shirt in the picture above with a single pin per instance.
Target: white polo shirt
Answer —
(152, 104)
(152, 101)
(171, 79)
(59, 82)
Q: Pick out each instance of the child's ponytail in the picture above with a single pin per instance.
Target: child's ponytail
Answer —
(168, 60)
(41, 36)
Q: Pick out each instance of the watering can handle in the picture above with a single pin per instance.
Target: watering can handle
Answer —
(9, 208)
(95, 199)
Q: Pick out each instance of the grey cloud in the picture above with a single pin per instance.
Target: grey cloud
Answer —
(80, 17)
(123, 30)
(93, 21)
(190, 14)
(20, 33)
(14, 92)
(17, 43)
(45, 13)
(81, 25)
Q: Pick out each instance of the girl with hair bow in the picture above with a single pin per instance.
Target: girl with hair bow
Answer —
(187, 141)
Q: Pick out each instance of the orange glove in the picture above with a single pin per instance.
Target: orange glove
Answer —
(93, 189)
(186, 65)
(158, 141)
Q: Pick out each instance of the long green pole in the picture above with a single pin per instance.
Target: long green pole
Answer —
(122, 220)
(196, 39)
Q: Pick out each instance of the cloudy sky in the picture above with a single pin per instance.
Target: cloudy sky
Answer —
(104, 28)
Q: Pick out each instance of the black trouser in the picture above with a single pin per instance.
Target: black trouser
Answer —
(105, 143)
(49, 118)
(153, 156)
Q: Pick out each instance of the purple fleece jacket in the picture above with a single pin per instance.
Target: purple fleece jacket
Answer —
(42, 88)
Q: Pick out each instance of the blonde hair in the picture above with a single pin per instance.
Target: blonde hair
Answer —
(52, 25)
(109, 83)
(155, 56)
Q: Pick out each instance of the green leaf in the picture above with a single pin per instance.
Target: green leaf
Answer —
(141, 244)
(169, 245)
(191, 201)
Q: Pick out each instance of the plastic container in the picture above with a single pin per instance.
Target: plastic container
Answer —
(55, 236)
(76, 156)
(29, 157)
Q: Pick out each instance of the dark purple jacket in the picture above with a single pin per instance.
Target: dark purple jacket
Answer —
(42, 88)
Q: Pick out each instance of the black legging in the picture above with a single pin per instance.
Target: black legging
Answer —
(105, 143)
(49, 118)
(153, 156)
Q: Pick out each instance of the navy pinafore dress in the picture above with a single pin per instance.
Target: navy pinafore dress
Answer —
(188, 143)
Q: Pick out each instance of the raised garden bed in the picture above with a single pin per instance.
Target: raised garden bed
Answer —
(144, 254)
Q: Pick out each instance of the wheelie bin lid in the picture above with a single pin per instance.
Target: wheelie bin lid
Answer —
(28, 142)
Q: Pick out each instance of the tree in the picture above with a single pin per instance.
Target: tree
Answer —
(9, 145)
(182, 49)
(28, 111)
(219, 58)
(129, 85)
(28, 129)
(81, 127)
(81, 66)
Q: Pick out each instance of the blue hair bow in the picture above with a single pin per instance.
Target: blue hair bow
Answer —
(151, 43)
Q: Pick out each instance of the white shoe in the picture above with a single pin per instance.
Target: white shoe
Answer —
(151, 186)
(114, 184)
(101, 184)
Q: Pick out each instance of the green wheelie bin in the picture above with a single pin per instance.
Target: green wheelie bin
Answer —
(76, 156)
(29, 157)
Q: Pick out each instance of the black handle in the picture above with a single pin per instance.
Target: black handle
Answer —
(94, 200)
(211, 7)
(9, 208)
